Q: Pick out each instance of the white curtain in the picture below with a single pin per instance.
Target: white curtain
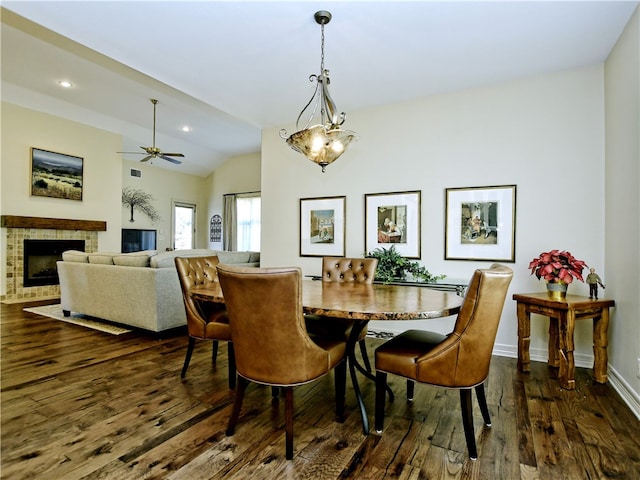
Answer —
(229, 223)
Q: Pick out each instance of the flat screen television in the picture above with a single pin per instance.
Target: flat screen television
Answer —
(136, 240)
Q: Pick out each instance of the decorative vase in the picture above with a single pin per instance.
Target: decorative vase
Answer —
(557, 291)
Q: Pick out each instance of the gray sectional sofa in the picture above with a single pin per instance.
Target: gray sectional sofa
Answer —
(138, 289)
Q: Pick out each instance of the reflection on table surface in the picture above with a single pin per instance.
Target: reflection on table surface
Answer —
(377, 302)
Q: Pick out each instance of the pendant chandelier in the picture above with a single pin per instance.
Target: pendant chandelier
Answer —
(323, 142)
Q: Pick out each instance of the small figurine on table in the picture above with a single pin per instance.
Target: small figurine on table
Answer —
(593, 279)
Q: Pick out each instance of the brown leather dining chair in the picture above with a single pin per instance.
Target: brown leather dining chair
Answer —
(270, 339)
(205, 321)
(459, 360)
(347, 270)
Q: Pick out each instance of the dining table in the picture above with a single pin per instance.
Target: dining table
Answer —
(361, 303)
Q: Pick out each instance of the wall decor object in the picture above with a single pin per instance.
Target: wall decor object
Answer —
(215, 229)
(139, 200)
(56, 175)
(322, 226)
(393, 219)
(480, 223)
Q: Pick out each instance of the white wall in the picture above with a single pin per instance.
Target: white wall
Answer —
(238, 174)
(166, 187)
(544, 134)
(22, 129)
(622, 204)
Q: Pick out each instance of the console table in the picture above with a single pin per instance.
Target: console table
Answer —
(562, 317)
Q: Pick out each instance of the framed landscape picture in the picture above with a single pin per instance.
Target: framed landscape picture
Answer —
(322, 226)
(56, 175)
(393, 219)
(480, 223)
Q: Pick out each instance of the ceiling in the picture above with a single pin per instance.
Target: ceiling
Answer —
(228, 69)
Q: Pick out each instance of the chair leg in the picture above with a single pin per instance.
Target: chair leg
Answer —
(467, 422)
(482, 402)
(237, 405)
(214, 352)
(340, 378)
(231, 360)
(381, 390)
(288, 416)
(365, 356)
(275, 393)
(410, 390)
(187, 359)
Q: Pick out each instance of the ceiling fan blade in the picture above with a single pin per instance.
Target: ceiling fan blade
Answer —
(172, 160)
(148, 157)
(172, 154)
(132, 153)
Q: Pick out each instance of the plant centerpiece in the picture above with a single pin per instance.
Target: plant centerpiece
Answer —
(559, 269)
(393, 266)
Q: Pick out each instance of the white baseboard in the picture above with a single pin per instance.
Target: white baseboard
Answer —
(540, 355)
(620, 385)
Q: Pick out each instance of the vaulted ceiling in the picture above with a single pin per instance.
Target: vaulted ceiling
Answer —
(229, 69)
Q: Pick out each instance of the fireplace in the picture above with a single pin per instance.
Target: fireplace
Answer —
(40, 257)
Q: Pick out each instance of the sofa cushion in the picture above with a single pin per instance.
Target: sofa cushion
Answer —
(234, 257)
(134, 259)
(166, 259)
(75, 256)
(102, 258)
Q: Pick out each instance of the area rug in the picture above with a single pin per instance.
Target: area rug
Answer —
(55, 311)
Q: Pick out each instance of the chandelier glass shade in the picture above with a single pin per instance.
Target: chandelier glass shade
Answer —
(324, 141)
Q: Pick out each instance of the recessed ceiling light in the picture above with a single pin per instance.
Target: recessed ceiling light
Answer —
(65, 83)
(186, 128)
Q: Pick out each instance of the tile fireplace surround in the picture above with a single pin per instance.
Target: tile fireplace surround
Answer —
(17, 229)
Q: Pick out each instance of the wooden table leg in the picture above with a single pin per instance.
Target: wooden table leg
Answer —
(524, 334)
(566, 375)
(554, 343)
(600, 343)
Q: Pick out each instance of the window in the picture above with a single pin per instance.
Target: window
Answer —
(184, 225)
(248, 223)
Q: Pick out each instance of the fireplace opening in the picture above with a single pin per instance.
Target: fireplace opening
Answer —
(40, 257)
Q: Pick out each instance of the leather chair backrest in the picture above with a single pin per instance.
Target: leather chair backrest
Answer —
(342, 269)
(268, 330)
(463, 359)
(194, 271)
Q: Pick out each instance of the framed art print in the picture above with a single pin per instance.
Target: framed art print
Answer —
(322, 226)
(393, 219)
(56, 175)
(480, 223)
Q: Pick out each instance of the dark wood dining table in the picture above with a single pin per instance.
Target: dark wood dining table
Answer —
(362, 303)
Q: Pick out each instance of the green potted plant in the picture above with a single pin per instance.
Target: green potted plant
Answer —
(393, 266)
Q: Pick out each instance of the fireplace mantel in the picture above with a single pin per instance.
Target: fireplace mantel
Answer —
(12, 221)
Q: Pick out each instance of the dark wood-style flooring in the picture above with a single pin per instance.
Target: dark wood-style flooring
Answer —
(80, 404)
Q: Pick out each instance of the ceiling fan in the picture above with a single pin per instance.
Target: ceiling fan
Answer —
(153, 151)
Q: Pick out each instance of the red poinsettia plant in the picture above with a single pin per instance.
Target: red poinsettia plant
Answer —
(557, 267)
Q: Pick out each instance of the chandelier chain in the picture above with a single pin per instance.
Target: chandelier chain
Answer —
(322, 49)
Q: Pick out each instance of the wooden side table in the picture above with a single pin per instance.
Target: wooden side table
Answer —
(562, 318)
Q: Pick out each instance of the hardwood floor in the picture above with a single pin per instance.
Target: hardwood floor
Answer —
(80, 404)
